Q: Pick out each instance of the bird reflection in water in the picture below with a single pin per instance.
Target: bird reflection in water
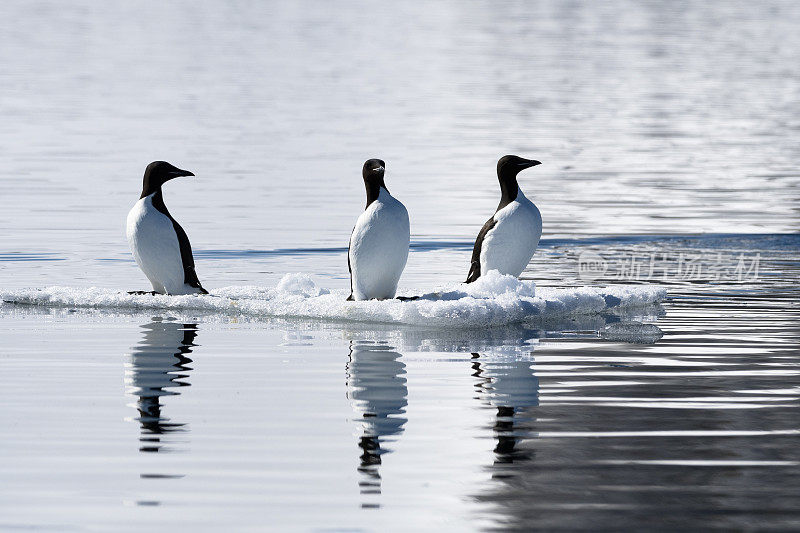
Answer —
(509, 384)
(376, 388)
(159, 363)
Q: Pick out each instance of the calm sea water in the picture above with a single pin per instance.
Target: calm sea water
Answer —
(668, 133)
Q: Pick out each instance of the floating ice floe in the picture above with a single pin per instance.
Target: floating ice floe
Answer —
(493, 300)
(632, 332)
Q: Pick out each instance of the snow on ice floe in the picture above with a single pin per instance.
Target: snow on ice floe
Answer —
(493, 300)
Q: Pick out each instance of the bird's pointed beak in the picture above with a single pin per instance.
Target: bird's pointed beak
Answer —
(528, 163)
(177, 173)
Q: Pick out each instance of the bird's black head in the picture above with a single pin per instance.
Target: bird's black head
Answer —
(373, 178)
(373, 171)
(157, 174)
(507, 169)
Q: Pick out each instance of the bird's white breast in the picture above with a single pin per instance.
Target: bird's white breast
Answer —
(154, 358)
(155, 247)
(379, 248)
(510, 244)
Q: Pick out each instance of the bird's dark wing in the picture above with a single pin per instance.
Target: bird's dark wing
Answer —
(189, 274)
(349, 268)
(475, 264)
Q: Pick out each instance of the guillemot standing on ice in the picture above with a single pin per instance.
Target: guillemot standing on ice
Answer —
(159, 244)
(507, 241)
(379, 243)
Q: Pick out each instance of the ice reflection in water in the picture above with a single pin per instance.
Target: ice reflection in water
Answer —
(376, 387)
(159, 363)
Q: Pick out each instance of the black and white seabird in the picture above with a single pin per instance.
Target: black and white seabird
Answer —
(379, 243)
(507, 241)
(158, 243)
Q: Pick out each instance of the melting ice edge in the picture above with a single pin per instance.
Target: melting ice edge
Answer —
(493, 300)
